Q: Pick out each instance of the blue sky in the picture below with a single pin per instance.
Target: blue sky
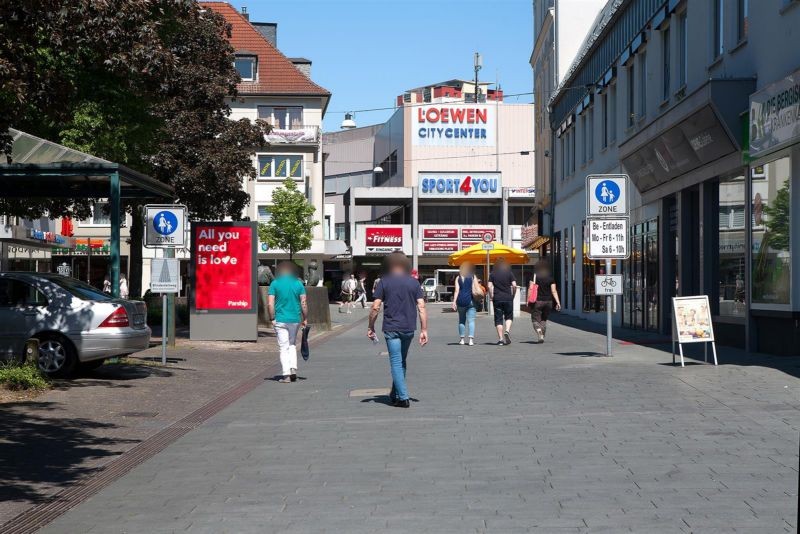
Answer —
(366, 52)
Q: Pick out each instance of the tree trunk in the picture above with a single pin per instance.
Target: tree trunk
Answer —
(135, 259)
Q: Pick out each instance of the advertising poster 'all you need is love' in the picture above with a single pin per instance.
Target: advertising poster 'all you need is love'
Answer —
(223, 267)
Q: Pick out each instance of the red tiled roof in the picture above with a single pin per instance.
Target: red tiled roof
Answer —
(276, 74)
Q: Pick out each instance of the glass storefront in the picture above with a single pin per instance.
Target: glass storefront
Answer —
(771, 232)
(640, 278)
(731, 246)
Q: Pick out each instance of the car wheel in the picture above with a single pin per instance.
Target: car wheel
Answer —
(57, 356)
(94, 364)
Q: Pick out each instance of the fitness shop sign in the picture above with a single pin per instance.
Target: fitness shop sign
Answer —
(454, 125)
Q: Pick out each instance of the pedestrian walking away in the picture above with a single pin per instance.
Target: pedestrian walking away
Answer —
(402, 300)
(467, 290)
(348, 293)
(288, 311)
(542, 298)
(502, 287)
(361, 290)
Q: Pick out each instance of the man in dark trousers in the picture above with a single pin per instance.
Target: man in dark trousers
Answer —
(502, 287)
(402, 299)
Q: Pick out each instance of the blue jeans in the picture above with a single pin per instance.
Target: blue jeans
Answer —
(398, 344)
(466, 320)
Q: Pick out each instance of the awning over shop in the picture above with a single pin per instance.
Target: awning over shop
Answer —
(700, 129)
(38, 168)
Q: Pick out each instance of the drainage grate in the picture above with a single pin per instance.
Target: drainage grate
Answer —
(40, 515)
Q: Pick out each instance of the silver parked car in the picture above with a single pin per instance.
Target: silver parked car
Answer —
(74, 322)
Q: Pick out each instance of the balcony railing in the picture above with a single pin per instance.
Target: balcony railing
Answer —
(294, 135)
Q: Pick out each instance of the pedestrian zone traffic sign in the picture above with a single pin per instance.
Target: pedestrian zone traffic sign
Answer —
(165, 226)
(607, 195)
(607, 284)
(164, 276)
(608, 238)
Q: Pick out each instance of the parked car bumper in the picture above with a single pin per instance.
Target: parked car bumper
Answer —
(95, 344)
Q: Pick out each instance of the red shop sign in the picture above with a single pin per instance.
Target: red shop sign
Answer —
(378, 236)
(477, 233)
(440, 233)
(440, 246)
(224, 263)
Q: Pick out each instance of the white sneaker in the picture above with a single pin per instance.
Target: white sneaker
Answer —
(471, 342)
(461, 342)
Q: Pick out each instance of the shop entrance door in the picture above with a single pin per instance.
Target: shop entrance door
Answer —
(640, 298)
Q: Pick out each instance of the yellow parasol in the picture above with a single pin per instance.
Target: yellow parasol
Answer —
(477, 255)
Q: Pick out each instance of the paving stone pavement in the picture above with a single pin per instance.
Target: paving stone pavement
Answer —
(524, 438)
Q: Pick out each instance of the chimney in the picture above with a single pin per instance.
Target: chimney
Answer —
(245, 14)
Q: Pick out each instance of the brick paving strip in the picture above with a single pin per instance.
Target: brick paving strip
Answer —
(48, 505)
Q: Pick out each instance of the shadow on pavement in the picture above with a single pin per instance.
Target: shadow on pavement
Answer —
(384, 399)
(111, 376)
(725, 355)
(38, 453)
(582, 354)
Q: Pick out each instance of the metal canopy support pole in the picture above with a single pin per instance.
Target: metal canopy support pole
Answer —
(608, 313)
(415, 241)
(115, 226)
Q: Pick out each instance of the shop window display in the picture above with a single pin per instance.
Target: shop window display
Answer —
(771, 233)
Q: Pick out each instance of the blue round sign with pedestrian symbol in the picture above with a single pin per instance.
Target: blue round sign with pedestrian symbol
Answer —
(607, 192)
(165, 222)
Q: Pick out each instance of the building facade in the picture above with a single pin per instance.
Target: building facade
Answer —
(279, 90)
(686, 97)
(559, 29)
(449, 170)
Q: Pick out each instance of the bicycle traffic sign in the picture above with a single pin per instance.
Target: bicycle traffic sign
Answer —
(607, 284)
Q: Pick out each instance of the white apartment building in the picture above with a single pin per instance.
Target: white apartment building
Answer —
(279, 90)
(559, 29)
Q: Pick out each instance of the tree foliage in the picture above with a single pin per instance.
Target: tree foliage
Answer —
(291, 220)
(139, 82)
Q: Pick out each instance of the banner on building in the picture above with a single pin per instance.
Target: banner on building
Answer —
(465, 125)
(383, 239)
(775, 115)
(445, 239)
(460, 185)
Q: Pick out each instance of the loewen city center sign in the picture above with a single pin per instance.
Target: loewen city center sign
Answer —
(454, 125)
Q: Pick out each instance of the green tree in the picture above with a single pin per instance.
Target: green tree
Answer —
(140, 82)
(777, 221)
(291, 222)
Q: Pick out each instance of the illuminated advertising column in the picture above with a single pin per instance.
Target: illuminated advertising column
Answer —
(223, 301)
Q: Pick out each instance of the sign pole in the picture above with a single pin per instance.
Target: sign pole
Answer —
(170, 253)
(163, 329)
(608, 313)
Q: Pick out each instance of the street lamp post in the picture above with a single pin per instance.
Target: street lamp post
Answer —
(477, 63)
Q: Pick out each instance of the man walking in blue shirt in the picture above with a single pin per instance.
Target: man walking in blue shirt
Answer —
(288, 310)
(401, 297)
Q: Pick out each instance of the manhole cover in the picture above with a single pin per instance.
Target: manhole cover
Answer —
(368, 392)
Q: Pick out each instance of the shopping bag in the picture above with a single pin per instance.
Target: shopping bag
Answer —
(533, 292)
(304, 343)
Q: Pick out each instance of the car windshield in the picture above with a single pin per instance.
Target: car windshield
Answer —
(80, 289)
